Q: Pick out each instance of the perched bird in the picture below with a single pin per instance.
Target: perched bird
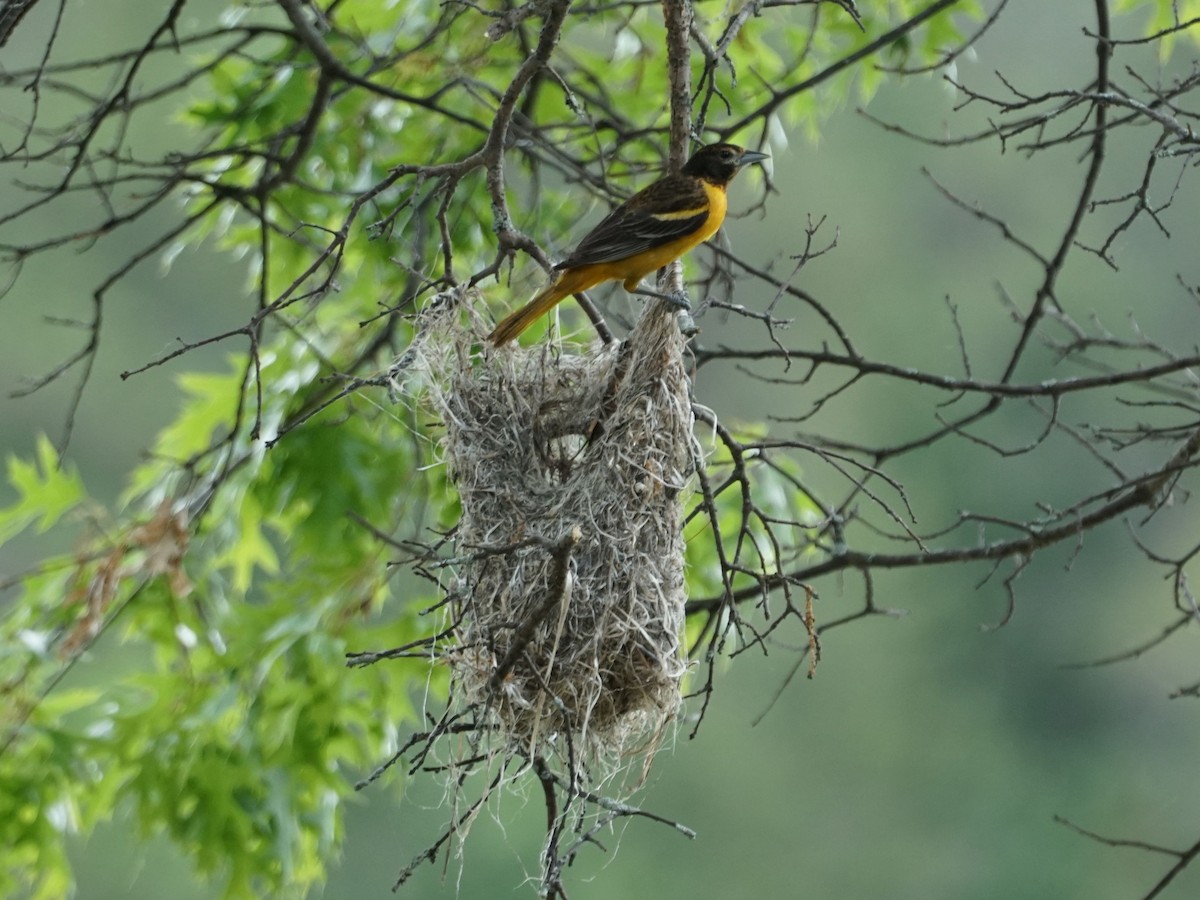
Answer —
(654, 227)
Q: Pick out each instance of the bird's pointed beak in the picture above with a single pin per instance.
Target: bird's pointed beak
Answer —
(752, 156)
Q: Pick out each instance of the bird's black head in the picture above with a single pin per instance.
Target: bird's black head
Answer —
(718, 163)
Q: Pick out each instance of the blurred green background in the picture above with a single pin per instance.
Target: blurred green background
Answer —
(929, 756)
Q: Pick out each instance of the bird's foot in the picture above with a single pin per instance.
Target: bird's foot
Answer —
(678, 299)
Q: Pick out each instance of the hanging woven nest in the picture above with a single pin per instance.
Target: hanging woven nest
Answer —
(572, 466)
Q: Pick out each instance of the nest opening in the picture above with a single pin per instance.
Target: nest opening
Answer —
(572, 467)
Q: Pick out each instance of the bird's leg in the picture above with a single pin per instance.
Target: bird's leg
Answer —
(675, 298)
(687, 325)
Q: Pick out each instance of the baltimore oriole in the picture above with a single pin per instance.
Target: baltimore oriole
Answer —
(652, 228)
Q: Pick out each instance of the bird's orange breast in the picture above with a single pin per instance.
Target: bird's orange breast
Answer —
(631, 270)
(637, 267)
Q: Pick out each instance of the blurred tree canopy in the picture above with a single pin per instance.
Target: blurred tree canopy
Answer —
(368, 159)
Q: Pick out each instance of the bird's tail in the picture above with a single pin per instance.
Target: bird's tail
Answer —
(544, 301)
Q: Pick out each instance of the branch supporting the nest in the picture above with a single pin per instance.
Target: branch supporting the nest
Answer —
(559, 593)
(677, 16)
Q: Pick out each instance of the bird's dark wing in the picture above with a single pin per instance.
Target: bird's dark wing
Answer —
(667, 210)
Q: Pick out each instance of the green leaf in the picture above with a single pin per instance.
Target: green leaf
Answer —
(46, 490)
(252, 549)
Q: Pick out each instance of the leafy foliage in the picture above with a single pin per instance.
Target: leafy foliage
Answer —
(45, 492)
(185, 662)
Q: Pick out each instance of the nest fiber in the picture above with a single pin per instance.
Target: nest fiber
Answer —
(571, 468)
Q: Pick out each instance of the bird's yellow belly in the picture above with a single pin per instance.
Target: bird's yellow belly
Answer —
(671, 251)
(631, 271)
